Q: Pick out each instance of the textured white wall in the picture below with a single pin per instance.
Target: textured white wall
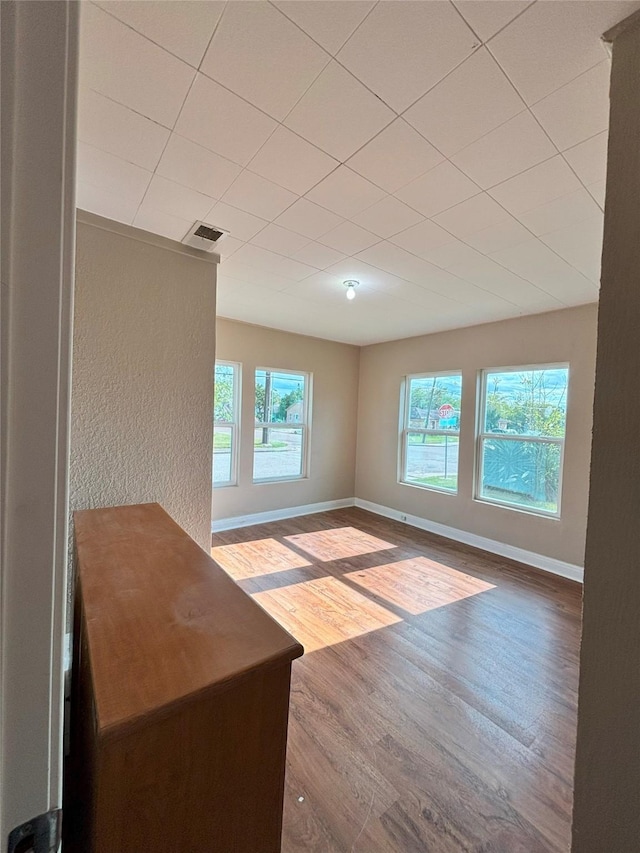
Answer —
(143, 356)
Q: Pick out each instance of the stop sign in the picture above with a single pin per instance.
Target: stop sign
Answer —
(446, 411)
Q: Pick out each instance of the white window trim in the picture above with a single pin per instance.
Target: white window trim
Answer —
(482, 436)
(403, 438)
(304, 424)
(234, 425)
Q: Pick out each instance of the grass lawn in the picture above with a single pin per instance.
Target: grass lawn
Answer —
(222, 441)
(450, 483)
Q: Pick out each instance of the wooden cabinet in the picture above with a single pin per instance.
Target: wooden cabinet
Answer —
(180, 697)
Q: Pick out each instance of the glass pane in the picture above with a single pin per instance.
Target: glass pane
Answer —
(279, 397)
(434, 402)
(530, 402)
(522, 473)
(223, 398)
(222, 450)
(277, 453)
(432, 460)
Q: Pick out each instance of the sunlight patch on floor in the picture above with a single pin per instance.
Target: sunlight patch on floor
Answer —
(260, 557)
(419, 584)
(338, 544)
(323, 612)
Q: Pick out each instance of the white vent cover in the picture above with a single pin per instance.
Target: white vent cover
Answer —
(204, 236)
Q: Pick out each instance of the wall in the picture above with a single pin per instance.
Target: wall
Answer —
(560, 336)
(607, 781)
(334, 409)
(143, 356)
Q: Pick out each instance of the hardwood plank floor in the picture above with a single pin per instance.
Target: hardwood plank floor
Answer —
(435, 708)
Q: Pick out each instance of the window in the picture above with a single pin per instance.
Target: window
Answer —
(281, 437)
(431, 431)
(521, 440)
(225, 423)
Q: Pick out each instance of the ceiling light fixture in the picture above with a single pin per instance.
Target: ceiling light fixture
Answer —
(351, 285)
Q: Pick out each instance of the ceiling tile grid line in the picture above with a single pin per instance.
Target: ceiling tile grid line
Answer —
(299, 200)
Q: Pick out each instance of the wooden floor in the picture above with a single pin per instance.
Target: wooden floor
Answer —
(435, 708)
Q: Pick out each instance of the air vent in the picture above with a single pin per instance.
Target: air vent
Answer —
(204, 236)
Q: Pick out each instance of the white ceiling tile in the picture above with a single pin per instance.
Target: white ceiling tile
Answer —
(105, 171)
(348, 238)
(580, 245)
(512, 148)
(159, 222)
(471, 215)
(238, 271)
(120, 63)
(451, 254)
(505, 234)
(437, 190)
(338, 114)
(388, 216)
(228, 247)
(368, 275)
(598, 192)
(105, 203)
(486, 17)
(317, 255)
(568, 286)
(306, 218)
(560, 213)
(176, 199)
(345, 193)
(271, 262)
(528, 259)
(422, 238)
(238, 223)
(489, 275)
(536, 186)
(579, 110)
(196, 167)
(403, 49)
(292, 162)
(221, 121)
(261, 55)
(183, 28)
(395, 157)
(258, 196)
(279, 240)
(394, 260)
(589, 159)
(483, 99)
(119, 131)
(329, 22)
(551, 43)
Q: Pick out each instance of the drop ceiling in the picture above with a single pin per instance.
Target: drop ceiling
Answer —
(450, 156)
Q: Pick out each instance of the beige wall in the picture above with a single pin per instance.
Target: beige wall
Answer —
(607, 782)
(561, 336)
(333, 429)
(143, 355)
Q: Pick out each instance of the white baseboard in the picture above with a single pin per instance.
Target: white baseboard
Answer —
(278, 514)
(539, 561)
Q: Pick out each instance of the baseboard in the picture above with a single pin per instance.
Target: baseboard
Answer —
(278, 514)
(539, 561)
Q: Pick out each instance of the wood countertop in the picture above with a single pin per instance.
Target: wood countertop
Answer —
(164, 623)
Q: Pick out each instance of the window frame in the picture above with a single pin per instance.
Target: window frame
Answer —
(405, 429)
(233, 425)
(482, 436)
(304, 425)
